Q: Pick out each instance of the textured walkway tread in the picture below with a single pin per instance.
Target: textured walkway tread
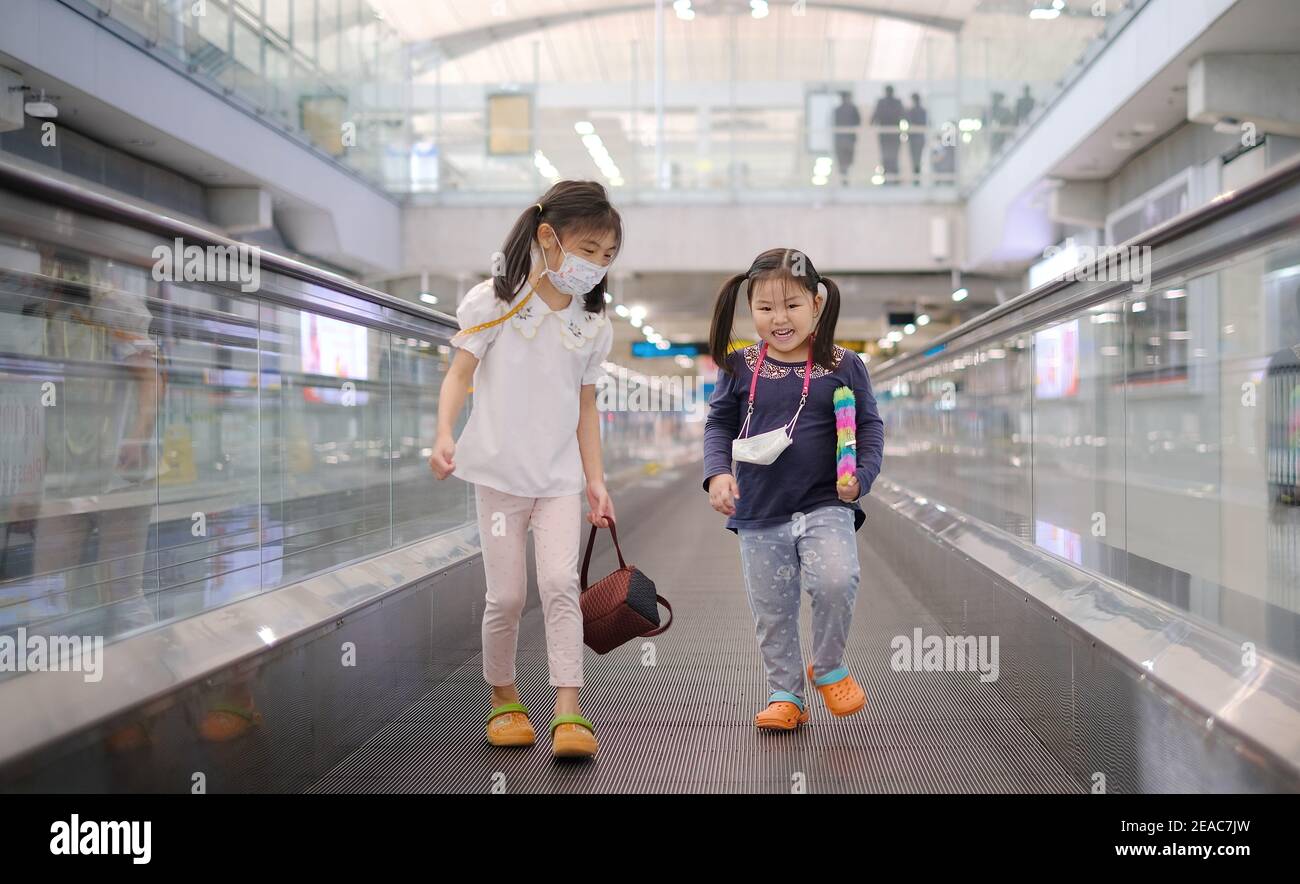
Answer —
(685, 724)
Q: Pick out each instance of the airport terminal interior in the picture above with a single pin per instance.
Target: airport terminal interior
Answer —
(234, 239)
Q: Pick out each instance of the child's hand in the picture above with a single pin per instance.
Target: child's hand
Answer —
(441, 461)
(602, 508)
(849, 491)
(723, 492)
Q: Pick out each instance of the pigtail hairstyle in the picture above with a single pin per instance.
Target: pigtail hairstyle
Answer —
(569, 207)
(724, 317)
(823, 351)
(788, 264)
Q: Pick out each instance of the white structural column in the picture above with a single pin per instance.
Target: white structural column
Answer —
(661, 156)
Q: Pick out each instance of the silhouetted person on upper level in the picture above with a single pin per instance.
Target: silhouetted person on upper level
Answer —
(917, 120)
(888, 114)
(846, 118)
(1024, 107)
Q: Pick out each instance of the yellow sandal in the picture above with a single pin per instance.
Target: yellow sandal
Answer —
(508, 725)
(572, 736)
(227, 721)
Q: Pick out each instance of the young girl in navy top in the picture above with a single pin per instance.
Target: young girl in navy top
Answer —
(795, 522)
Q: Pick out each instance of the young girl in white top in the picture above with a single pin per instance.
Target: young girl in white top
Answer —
(532, 340)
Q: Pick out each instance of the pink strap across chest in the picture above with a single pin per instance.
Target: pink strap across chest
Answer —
(762, 354)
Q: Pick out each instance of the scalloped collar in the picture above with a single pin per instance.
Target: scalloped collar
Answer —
(775, 371)
(578, 327)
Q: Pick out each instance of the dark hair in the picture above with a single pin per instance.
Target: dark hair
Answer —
(569, 207)
(787, 264)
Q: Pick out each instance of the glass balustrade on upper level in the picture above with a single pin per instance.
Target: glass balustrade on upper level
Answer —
(749, 104)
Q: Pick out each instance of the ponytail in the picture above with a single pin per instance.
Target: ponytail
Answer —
(518, 255)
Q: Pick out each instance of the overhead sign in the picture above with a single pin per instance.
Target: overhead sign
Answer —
(647, 350)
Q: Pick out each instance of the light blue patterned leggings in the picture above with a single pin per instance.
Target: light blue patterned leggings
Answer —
(815, 551)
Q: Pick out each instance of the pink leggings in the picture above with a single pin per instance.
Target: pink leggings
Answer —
(503, 521)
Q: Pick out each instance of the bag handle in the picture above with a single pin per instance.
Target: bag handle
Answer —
(663, 601)
(500, 319)
(591, 539)
(586, 561)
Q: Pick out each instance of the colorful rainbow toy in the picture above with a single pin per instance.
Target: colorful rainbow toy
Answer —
(846, 435)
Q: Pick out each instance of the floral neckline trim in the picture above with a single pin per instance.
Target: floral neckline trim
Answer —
(775, 372)
(578, 327)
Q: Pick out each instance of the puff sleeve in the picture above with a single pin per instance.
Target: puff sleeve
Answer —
(599, 353)
(480, 304)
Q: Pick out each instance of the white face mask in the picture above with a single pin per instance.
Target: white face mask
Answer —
(764, 448)
(576, 276)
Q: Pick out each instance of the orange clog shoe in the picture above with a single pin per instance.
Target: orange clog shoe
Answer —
(842, 696)
(781, 715)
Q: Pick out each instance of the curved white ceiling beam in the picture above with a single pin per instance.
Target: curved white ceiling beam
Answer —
(426, 53)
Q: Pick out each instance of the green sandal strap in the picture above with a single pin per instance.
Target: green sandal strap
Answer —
(507, 707)
(246, 714)
(571, 719)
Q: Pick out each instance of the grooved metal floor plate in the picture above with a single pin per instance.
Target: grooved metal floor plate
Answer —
(685, 724)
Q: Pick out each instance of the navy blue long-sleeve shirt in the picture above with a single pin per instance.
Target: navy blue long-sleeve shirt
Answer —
(803, 477)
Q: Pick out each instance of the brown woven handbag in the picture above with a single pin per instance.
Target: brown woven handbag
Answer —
(621, 606)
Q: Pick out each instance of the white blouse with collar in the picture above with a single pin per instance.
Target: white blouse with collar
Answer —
(521, 436)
